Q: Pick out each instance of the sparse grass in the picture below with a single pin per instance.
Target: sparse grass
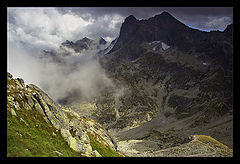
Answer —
(36, 139)
(218, 146)
(103, 149)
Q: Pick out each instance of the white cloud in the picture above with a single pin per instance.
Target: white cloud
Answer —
(219, 23)
(32, 29)
(44, 27)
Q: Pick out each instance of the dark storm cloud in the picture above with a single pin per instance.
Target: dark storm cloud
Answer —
(205, 18)
(142, 12)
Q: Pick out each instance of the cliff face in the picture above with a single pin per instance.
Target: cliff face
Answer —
(33, 117)
(216, 45)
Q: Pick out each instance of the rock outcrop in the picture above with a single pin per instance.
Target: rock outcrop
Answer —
(73, 128)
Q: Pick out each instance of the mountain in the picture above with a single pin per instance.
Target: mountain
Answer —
(102, 41)
(84, 44)
(173, 79)
(108, 48)
(164, 27)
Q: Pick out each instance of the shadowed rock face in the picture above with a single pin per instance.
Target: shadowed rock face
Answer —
(216, 45)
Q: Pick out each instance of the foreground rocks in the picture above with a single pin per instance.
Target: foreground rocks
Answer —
(73, 128)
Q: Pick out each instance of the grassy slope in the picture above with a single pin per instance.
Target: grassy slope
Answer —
(29, 135)
(218, 146)
(34, 137)
(104, 150)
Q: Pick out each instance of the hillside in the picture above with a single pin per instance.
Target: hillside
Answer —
(35, 131)
(38, 127)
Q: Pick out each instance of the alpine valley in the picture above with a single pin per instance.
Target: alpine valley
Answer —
(172, 97)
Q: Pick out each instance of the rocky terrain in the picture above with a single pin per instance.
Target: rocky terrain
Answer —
(175, 88)
(35, 121)
(172, 94)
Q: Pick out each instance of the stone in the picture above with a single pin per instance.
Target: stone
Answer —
(38, 107)
(12, 111)
(9, 75)
(21, 81)
(65, 133)
(58, 153)
(95, 153)
(73, 143)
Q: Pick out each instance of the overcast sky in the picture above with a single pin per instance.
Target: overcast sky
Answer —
(51, 26)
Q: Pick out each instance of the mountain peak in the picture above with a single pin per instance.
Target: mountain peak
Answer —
(229, 27)
(102, 41)
(164, 15)
(130, 18)
(85, 39)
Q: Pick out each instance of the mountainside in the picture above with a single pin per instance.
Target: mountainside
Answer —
(216, 45)
(176, 81)
(37, 126)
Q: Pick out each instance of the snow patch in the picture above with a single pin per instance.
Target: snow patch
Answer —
(156, 43)
(165, 46)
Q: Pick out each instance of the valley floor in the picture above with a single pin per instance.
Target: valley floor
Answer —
(173, 140)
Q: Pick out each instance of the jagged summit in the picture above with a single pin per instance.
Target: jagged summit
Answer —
(130, 18)
(67, 42)
(102, 41)
(85, 39)
(166, 28)
(84, 44)
(164, 14)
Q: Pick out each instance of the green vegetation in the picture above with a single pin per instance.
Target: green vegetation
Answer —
(103, 149)
(29, 135)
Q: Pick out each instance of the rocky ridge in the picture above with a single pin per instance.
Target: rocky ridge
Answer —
(164, 27)
(73, 128)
